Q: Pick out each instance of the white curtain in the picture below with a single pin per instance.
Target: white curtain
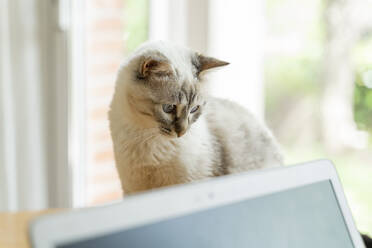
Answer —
(23, 105)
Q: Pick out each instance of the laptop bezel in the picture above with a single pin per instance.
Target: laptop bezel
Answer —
(170, 202)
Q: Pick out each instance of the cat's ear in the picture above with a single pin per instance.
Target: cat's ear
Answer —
(151, 66)
(206, 63)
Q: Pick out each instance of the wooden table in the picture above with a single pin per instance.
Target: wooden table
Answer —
(14, 228)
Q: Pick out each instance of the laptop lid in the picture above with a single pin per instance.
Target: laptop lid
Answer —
(298, 206)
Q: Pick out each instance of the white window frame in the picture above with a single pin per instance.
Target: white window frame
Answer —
(184, 22)
(67, 170)
(57, 74)
(78, 109)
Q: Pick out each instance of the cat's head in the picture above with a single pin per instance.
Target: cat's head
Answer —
(163, 87)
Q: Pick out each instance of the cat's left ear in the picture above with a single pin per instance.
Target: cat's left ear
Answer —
(155, 67)
(205, 63)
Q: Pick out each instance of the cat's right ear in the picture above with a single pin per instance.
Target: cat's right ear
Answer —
(206, 63)
(154, 67)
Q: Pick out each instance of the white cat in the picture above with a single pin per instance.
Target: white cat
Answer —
(167, 130)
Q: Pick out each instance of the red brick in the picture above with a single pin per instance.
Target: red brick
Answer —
(99, 113)
(106, 177)
(105, 91)
(103, 135)
(108, 46)
(103, 156)
(107, 197)
(109, 68)
(99, 4)
(105, 47)
(107, 24)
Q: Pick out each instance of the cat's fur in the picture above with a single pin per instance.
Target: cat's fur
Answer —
(220, 138)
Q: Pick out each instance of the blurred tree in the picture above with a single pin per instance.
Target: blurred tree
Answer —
(295, 92)
(345, 21)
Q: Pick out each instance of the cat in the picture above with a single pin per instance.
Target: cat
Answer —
(166, 129)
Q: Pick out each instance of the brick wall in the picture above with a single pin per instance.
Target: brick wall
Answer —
(105, 50)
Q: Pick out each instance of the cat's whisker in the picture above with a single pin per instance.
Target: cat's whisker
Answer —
(166, 130)
(147, 139)
(142, 139)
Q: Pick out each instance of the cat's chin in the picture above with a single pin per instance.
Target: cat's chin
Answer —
(169, 135)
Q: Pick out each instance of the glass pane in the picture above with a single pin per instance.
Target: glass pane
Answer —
(318, 96)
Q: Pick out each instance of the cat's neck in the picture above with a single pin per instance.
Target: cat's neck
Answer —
(140, 136)
(145, 146)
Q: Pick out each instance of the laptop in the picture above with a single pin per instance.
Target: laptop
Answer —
(301, 206)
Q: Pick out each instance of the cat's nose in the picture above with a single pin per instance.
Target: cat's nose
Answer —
(181, 128)
(181, 132)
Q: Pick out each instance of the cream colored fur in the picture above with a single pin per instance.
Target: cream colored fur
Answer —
(147, 159)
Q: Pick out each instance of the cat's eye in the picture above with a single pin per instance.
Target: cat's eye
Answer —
(168, 108)
(194, 109)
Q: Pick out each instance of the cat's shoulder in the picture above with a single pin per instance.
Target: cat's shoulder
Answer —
(231, 115)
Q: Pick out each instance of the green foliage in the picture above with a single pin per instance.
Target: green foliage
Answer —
(288, 79)
(136, 13)
(363, 107)
(362, 59)
(291, 75)
(293, 62)
(293, 71)
(293, 67)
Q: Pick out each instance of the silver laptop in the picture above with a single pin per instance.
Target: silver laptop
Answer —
(300, 206)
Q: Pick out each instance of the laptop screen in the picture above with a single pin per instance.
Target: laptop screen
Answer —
(306, 217)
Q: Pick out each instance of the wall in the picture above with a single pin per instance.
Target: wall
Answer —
(105, 49)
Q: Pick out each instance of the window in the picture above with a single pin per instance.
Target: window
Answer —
(115, 28)
(315, 103)
(276, 50)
